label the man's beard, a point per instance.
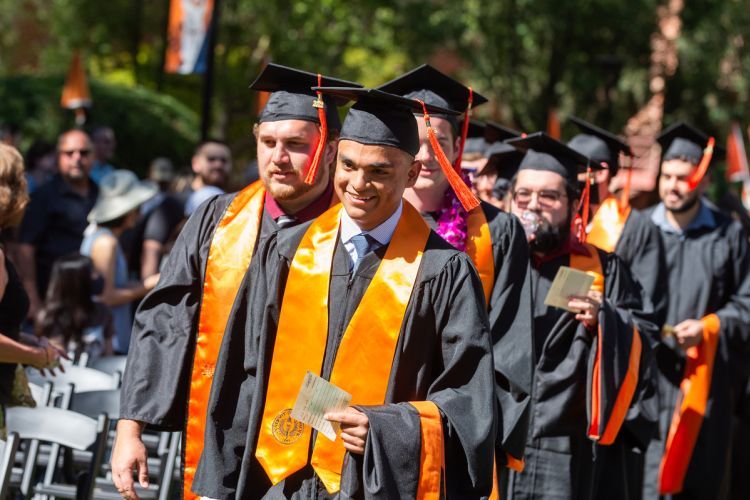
(549, 238)
(689, 203)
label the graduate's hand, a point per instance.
(354, 428)
(128, 454)
(689, 333)
(589, 307)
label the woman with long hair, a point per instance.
(70, 316)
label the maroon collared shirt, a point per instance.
(311, 211)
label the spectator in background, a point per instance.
(159, 218)
(10, 134)
(105, 144)
(41, 164)
(115, 211)
(70, 317)
(13, 299)
(56, 218)
(212, 163)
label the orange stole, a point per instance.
(232, 247)
(365, 356)
(592, 265)
(479, 249)
(688, 416)
(608, 224)
(432, 456)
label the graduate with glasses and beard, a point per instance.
(589, 359)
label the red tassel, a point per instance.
(464, 133)
(462, 191)
(697, 176)
(312, 170)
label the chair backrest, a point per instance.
(41, 394)
(8, 451)
(84, 379)
(109, 364)
(94, 403)
(60, 428)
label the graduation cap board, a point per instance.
(292, 98)
(384, 119)
(601, 146)
(681, 141)
(494, 132)
(475, 143)
(502, 159)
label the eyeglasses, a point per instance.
(546, 199)
(71, 152)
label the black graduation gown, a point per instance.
(560, 460)
(510, 323)
(442, 355)
(641, 248)
(156, 382)
(709, 272)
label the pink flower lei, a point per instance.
(452, 221)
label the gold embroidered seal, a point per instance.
(285, 429)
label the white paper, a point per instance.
(317, 397)
(568, 282)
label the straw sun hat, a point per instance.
(119, 193)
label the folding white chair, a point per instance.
(8, 451)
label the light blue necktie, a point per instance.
(363, 244)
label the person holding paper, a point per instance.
(370, 299)
(703, 357)
(589, 362)
(494, 240)
(179, 326)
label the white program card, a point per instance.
(317, 397)
(568, 282)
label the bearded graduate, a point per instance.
(368, 297)
(616, 226)
(494, 240)
(179, 326)
(588, 358)
(703, 353)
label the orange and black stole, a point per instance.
(364, 357)
(608, 224)
(612, 387)
(690, 408)
(232, 247)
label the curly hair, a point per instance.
(13, 193)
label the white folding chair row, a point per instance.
(61, 429)
(84, 379)
(8, 449)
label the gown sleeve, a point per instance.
(156, 380)
(511, 324)
(734, 315)
(405, 451)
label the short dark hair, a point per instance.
(203, 143)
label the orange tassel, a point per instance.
(624, 203)
(700, 172)
(464, 132)
(462, 191)
(585, 206)
(312, 170)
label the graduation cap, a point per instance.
(681, 141)
(292, 98)
(475, 142)
(543, 152)
(495, 132)
(601, 146)
(503, 159)
(384, 119)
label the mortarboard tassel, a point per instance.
(624, 202)
(463, 193)
(697, 176)
(464, 132)
(312, 171)
(584, 206)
